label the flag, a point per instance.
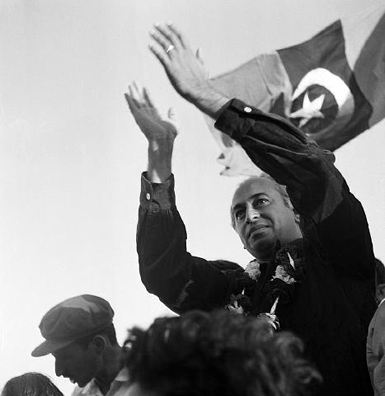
(331, 86)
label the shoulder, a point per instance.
(225, 265)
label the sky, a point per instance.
(71, 154)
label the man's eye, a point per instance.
(260, 202)
(239, 215)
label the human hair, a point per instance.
(30, 384)
(279, 187)
(108, 331)
(218, 354)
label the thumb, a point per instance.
(172, 115)
(174, 120)
(198, 55)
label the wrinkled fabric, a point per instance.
(330, 308)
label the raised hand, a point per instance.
(155, 126)
(184, 68)
(160, 131)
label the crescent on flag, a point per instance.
(335, 85)
(331, 85)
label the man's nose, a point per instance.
(252, 214)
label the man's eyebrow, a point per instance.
(238, 206)
(242, 204)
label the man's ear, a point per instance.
(99, 343)
(380, 292)
(297, 217)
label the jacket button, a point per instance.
(247, 109)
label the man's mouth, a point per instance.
(257, 230)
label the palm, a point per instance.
(153, 125)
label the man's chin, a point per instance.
(262, 249)
(80, 383)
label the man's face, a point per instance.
(78, 364)
(261, 217)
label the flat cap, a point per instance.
(72, 319)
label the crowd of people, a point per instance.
(300, 319)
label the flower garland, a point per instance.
(290, 269)
(241, 303)
(253, 270)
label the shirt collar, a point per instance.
(92, 389)
(122, 375)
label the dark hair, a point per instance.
(218, 353)
(108, 331)
(30, 384)
(280, 188)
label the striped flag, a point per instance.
(331, 86)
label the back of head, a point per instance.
(218, 353)
(30, 384)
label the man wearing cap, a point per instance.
(80, 334)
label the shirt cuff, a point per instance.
(232, 110)
(161, 195)
(236, 117)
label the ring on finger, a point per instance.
(169, 48)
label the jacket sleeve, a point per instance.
(180, 280)
(316, 188)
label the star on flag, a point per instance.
(310, 109)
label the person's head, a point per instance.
(30, 384)
(262, 214)
(80, 335)
(218, 353)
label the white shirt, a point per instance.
(119, 386)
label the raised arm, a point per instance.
(316, 188)
(180, 280)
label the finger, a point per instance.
(136, 93)
(160, 38)
(131, 103)
(140, 94)
(172, 115)
(198, 55)
(151, 108)
(132, 95)
(176, 34)
(136, 90)
(160, 55)
(148, 99)
(168, 36)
